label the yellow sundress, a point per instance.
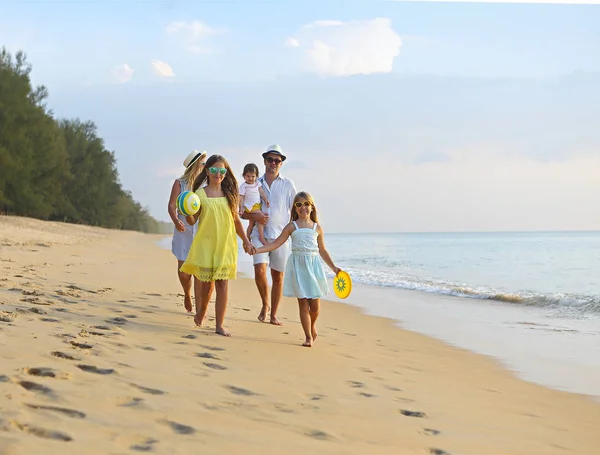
(214, 251)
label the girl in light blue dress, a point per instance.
(304, 276)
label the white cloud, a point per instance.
(162, 69)
(334, 48)
(122, 74)
(292, 42)
(192, 34)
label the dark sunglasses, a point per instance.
(214, 170)
(274, 160)
(300, 204)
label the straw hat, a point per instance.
(193, 157)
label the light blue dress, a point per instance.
(182, 241)
(304, 275)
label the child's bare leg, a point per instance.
(261, 234)
(305, 321)
(251, 224)
(186, 283)
(222, 289)
(314, 308)
(202, 289)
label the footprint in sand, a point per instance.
(42, 372)
(215, 366)
(117, 321)
(320, 435)
(7, 317)
(431, 432)
(148, 390)
(95, 370)
(207, 355)
(62, 355)
(129, 402)
(34, 387)
(81, 345)
(366, 395)
(35, 293)
(34, 300)
(101, 327)
(439, 452)
(42, 432)
(178, 428)
(4, 378)
(408, 413)
(356, 384)
(50, 320)
(68, 412)
(37, 311)
(146, 445)
(189, 337)
(240, 391)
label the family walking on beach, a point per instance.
(206, 248)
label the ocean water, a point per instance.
(530, 300)
(554, 270)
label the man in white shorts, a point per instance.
(281, 192)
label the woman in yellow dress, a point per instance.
(214, 251)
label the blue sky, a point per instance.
(470, 105)
(76, 41)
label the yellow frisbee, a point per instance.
(342, 285)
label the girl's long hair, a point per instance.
(314, 216)
(229, 185)
(191, 172)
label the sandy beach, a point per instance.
(99, 357)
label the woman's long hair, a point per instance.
(229, 185)
(191, 172)
(304, 195)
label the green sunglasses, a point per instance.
(214, 170)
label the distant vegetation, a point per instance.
(58, 169)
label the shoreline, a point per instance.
(499, 330)
(366, 385)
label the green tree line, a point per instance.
(57, 169)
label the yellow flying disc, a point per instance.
(342, 285)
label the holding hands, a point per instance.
(249, 248)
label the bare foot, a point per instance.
(275, 321)
(313, 329)
(187, 303)
(307, 343)
(221, 331)
(263, 313)
(197, 320)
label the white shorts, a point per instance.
(276, 259)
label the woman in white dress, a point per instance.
(183, 233)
